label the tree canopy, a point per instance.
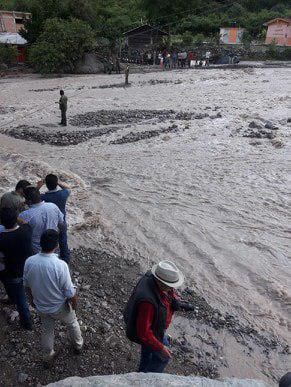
(110, 18)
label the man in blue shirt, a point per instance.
(40, 216)
(50, 289)
(58, 193)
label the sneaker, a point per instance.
(27, 325)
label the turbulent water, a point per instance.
(213, 201)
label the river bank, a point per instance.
(104, 283)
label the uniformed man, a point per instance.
(63, 102)
(126, 74)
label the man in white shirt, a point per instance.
(49, 283)
(40, 216)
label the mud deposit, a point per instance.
(163, 170)
(103, 289)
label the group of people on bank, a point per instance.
(34, 270)
(33, 229)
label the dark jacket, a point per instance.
(145, 291)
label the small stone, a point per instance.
(254, 125)
(270, 125)
(22, 377)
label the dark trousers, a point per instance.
(152, 361)
(63, 244)
(15, 291)
(64, 117)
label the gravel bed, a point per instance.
(104, 283)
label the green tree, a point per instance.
(61, 44)
(8, 54)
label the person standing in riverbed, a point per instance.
(49, 286)
(149, 313)
(63, 104)
(126, 74)
(58, 193)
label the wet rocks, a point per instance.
(271, 126)
(113, 86)
(22, 377)
(42, 90)
(255, 125)
(121, 117)
(57, 138)
(134, 137)
(277, 143)
(6, 110)
(117, 117)
(259, 132)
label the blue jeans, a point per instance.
(152, 361)
(15, 291)
(63, 243)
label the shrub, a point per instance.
(8, 54)
(187, 38)
(278, 53)
(61, 44)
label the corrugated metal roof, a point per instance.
(8, 38)
(144, 28)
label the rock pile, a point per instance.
(134, 137)
(118, 117)
(57, 138)
(256, 130)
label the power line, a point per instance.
(199, 13)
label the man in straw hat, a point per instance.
(149, 313)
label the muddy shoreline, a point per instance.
(104, 283)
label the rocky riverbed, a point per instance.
(104, 283)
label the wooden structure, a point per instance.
(279, 31)
(232, 35)
(144, 37)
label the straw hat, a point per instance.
(168, 273)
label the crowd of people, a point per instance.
(170, 59)
(34, 269)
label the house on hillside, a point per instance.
(143, 40)
(231, 35)
(279, 31)
(10, 24)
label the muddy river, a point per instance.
(185, 187)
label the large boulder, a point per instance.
(156, 380)
(89, 64)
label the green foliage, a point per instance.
(187, 38)
(278, 53)
(61, 44)
(110, 18)
(8, 54)
(199, 38)
(247, 39)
